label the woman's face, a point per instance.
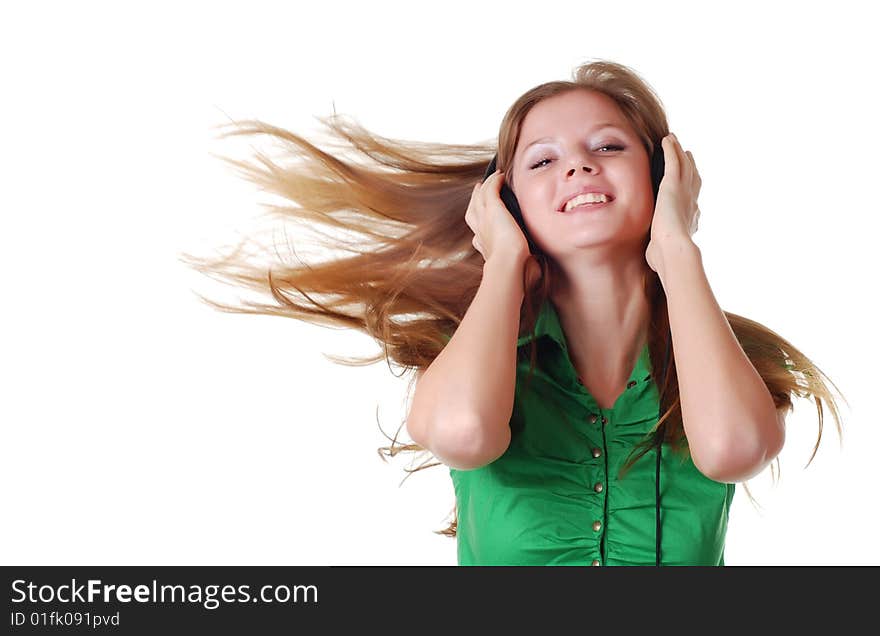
(564, 145)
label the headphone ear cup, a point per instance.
(510, 202)
(658, 168)
(490, 168)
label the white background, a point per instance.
(140, 426)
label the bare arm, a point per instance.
(733, 427)
(463, 401)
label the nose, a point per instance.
(578, 161)
(573, 170)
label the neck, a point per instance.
(605, 315)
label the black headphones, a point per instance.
(658, 168)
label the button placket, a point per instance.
(599, 487)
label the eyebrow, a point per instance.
(607, 124)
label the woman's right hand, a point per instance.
(495, 230)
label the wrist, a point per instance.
(507, 259)
(675, 253)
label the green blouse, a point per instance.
(554, 498)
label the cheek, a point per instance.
(538, 212)
(535, 196)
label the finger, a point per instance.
(487, 181)
(474, 194)
(688, 170)
(696, 173)
(499, 180)
(692, 165)
(684, 164)
(670, 157)
(492, 181)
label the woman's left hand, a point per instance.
(676, 215)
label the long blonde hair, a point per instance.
(412, 275)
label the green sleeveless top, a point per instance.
(554, 497)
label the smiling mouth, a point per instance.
(585, 207)
(609, 198)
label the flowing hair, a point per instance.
(409, 272)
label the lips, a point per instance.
(584, 190)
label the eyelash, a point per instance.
(615, 146)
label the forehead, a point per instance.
(573, 112)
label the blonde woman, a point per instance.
(575, 375)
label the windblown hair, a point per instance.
(410, 279)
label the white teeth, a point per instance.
(590, 197)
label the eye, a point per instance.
(611, 146)
(538, 164)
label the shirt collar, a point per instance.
(547, 324)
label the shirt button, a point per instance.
(604, 420)
(593, 418)
(596, 562)
(597, 525)
(598, 486)
(631, 384)
(597, 452)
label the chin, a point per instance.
(592, 239)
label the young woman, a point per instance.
(592, 402)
